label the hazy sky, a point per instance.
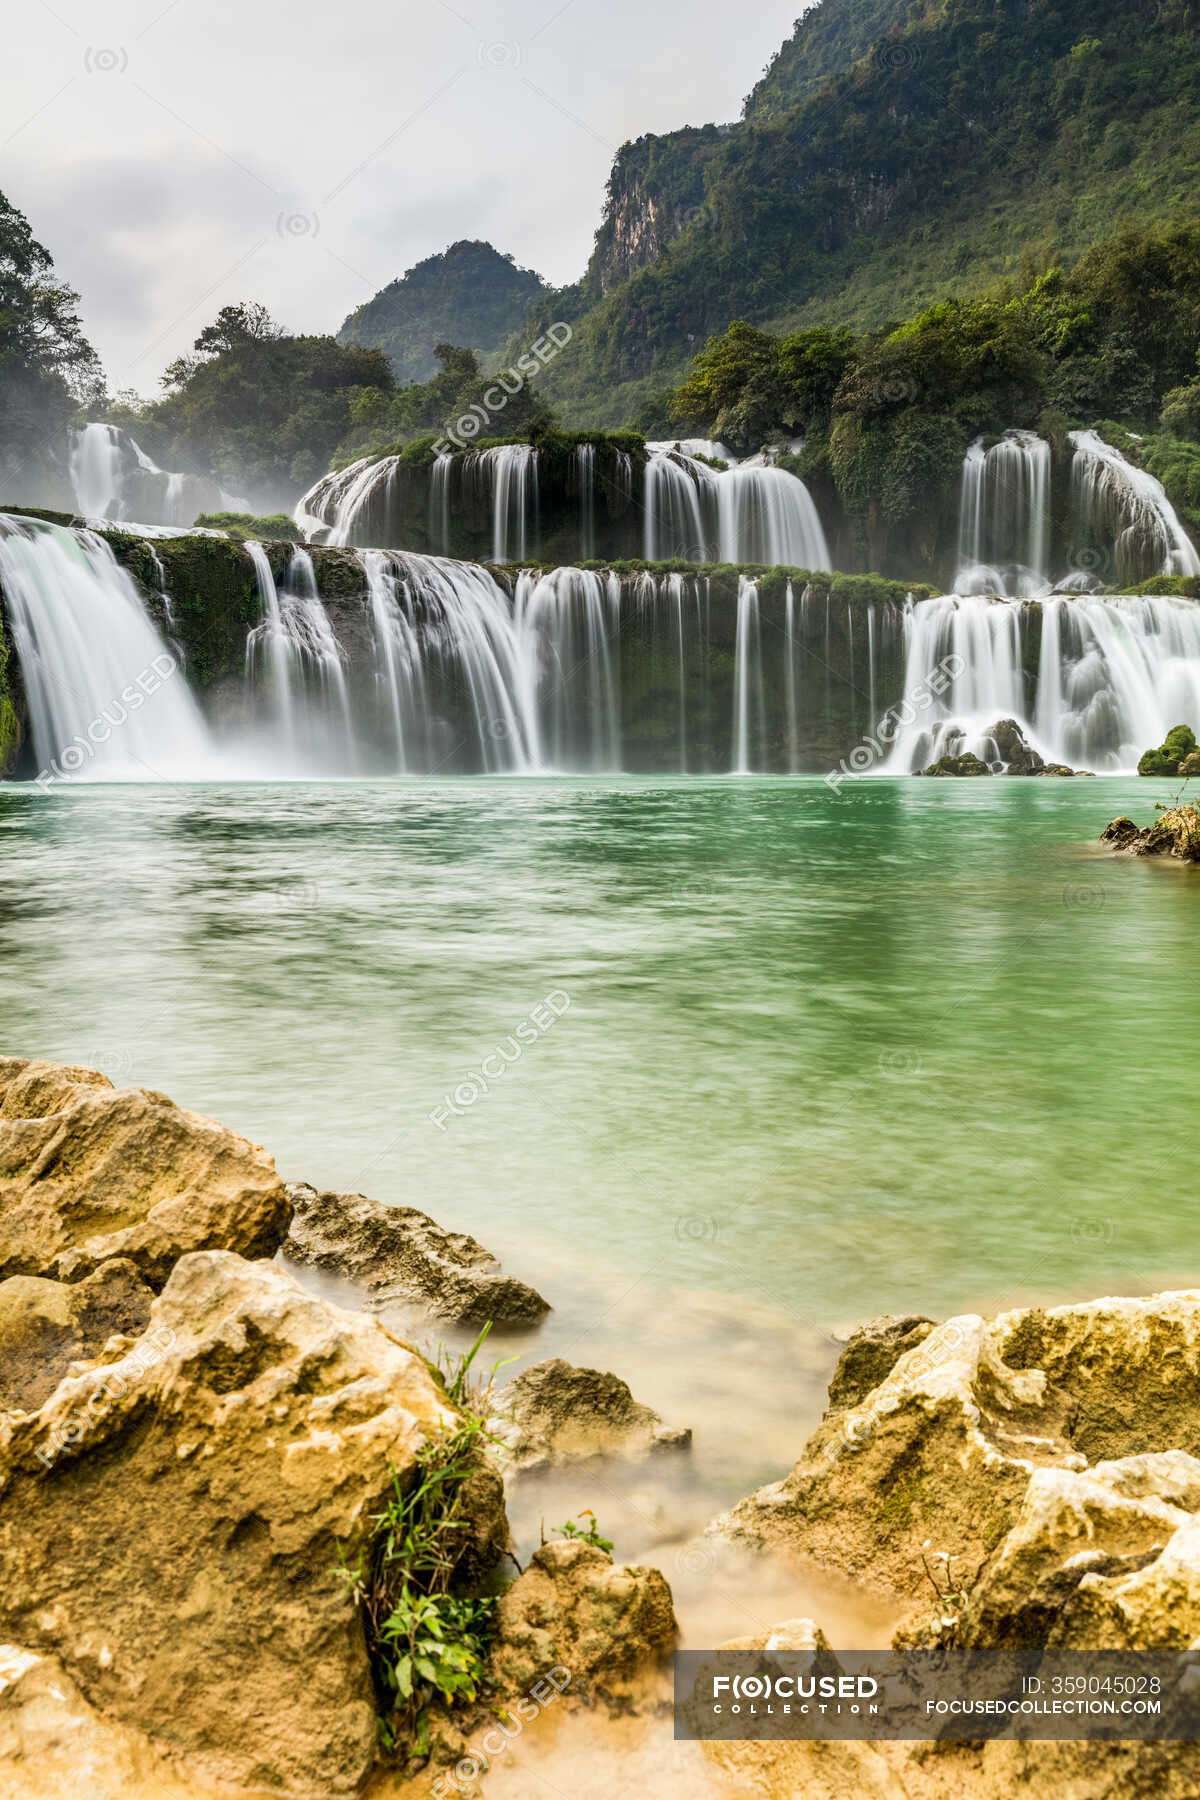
(176, 155)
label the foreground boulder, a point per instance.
(397, 1254)
(89, 1173)
(1176, 832)
(45, 1326)
(575, 1608)
(940, 1456)
(555, 1413)
(170, 1523)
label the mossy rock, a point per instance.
(958, 765)
(1169, 758)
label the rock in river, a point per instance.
(395, 1253)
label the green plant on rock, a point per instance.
(426, 1640)
(585, 1533)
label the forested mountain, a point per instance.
(892, 154)
(470, 296)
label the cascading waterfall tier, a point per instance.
(753, 513)
(114, 479)
(1092, 680)
(1004, 533)
(1122, 527)
(106, 696)
(1123, 516)
(418, 665)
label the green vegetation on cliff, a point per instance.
(469, 295)
(893, 155)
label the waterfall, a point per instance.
(749, 720)
(439, 503)
(585, 481)
(569, 636)
(1114, 674)
(107, 699)
(113, 478)
(1116, 502)
(675, 499)
(338, 508)
(750, 514)
(1005, 517)
(513, 473)
(767, 516)
(294, 652)
(95, 468)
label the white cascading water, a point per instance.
(106, 466)
(1004, 533)
(334, 507)
(568, 626)
(750, 514)
(585, 482)
(1117, 503)
(1115, 673)
(749, 713)
(108, 700)
(512, 471)
(295, 655)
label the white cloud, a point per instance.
(177, 157)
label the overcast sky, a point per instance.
(174, 157)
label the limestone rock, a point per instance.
(576, 1609)
(555, 1413)
(45, 1326)
(88, 1173)
(966, 764)
(395, 1253)
(1107, 1558)
(1168, 758)
(871, 1354)
(995, 1443)
(1176, 832)
(1013, 749)
(170, 1523)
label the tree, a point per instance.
(47, 366)
(258, 409)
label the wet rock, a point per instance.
(966, 764)
(1190, 766)
(871, 1354)
(397, 1254)
(45, 1326)
(170, 1523)
(555, 1413)
(1013, 749)
(576, 1609)
(1122, 833)
(1176, 832)
(89, 1173)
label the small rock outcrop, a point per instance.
(1176, 832)
(555, 1413)
(871, 1354)
(89, 1172)
(397, 1254)
(1013, 755)
(1170, 757)
(45, 1326)
(577, 1609)
(170, 1523)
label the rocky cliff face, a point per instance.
(655, 192)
